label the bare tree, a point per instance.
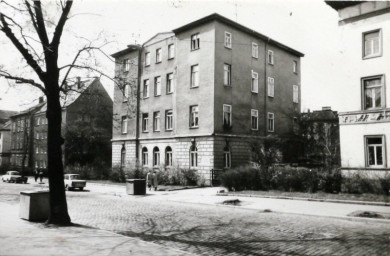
(41, 54)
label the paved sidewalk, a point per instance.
(210, 196)
(20, 237)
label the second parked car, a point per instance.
(73, 181)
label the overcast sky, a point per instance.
(309, 26)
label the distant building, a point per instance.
(365, 120)
(321, 137)
(5, 136)
(197, 96)
(87, 107)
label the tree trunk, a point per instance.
(58, 206)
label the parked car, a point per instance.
(73, 181)
(14, 176)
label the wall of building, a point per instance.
(39, 148)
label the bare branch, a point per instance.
(61, 23)
(41, 28)
(21, 80)
(28, 57)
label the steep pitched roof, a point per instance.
(130, 48)
(220, 18)
(5, 116)
(337, 5)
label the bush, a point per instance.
(360, 183)
(94, 171)
(244, 177)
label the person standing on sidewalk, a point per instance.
(41, 175)
(155, 181)
(149, 179)
(36, 174)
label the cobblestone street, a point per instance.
(219, 230)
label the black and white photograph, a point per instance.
(194, 127)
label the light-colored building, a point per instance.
(197, 96)
(365, 120)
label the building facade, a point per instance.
(198, 96)
(365, 121)
(86, 111)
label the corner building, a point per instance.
(365, 121)
(197, 96)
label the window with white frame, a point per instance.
(227, 158)
(169, 83)
(255, 50)
(168, 156)
(193, 156)
(145, 90)
(126, 65)
(171, 51)
(156, 156)
(227, 74)
(375, 151)
(194, 116)
(228, 40)
(156, 121)
(158, 55)
(126, 91)
(271, 87)
(373, 92)
(271, 122)
(255, 82)
(144, 156)
(38, 122)
(145, 122)
(124, 124)
(254, 119)
(147, 58)
(270, 57)
(169, 119)
(195, 44)
(295, 66)
(227, 115)
(194, 76)
(295, 93)
(37, 135)
(157, 86)
(372, 44)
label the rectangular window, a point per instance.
(255, 50)
(145, 90)
(37, 135)
(270, 57)
(194, 76)
(194, 116)
(124, 124)
(254, 119)
(227, 159)
(295, 67)
(227, 115)
(169, 120)
(295, 93)
(373, 92)
(157, 86)
(195, 42)
(227, 74)
(147, 59)
(271, 122)
(126, 92)
(171, 51)
(145, 122)
(372, 44)
(375, 155)
(169, 83)
(126, 65)
(271, 87)
(158, 55)
(228, 40)
(255, 82)
(156, 121)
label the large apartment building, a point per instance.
(198, 96)
(365, 120)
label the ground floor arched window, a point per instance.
(227, 157)
(168, 156)
(144, 156)
(193, 156)
(156, 156)
(123, 157)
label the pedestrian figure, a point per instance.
(155, 181)
(40, 175)
(36, 174)
(149, 179)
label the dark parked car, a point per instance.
(14, 176)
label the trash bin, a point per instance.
(136, 186)
(34, 205)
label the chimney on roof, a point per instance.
(78, 82)
(326, 108)
(41, 99)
